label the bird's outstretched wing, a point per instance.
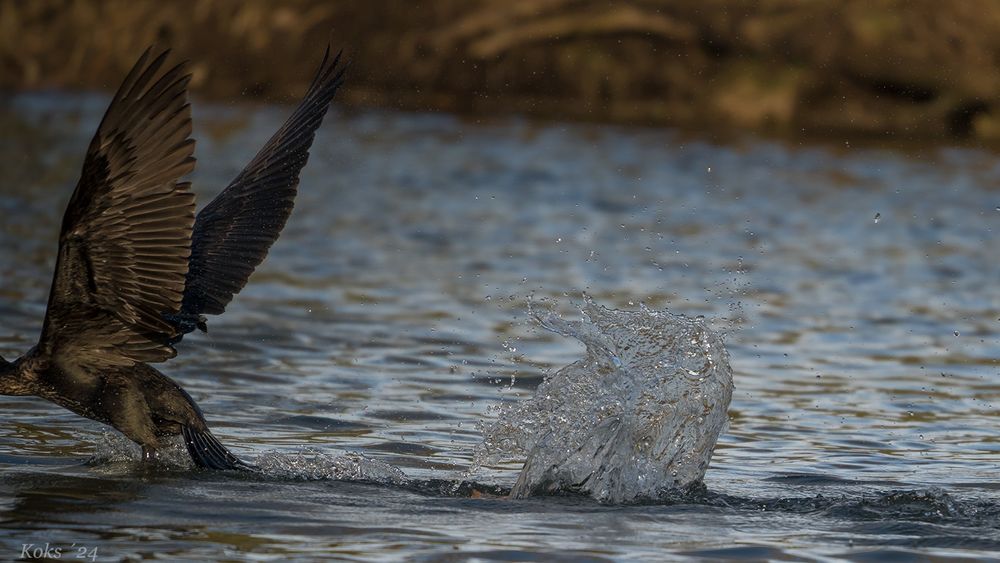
(125, 239)
(233, 233)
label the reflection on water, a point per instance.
(638, 416)
(392, 314)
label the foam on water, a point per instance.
(636, 418)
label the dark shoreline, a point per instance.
(784, 68)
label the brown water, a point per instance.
(857, 289)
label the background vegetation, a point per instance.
(914, 69)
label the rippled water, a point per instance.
(857, 289)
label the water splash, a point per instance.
(637, 417)
(312, 464)
(114, 453)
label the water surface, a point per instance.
(857, 289)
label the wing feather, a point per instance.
(234, 232)
(126, 234)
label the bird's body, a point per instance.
(138, 400)
(136, 269)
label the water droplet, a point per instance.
(877, 217)
(957, 333)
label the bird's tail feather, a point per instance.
(206, 451)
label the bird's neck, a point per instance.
(12, 380)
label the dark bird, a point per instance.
(137, 270)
